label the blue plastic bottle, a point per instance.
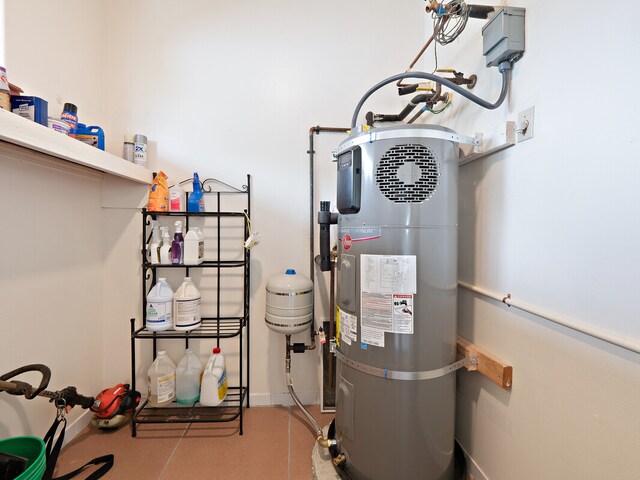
(196, 200)
(91, 135)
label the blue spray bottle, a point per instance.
(196, 200)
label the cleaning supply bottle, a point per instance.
(158, 194)
(200, 244)
(176, 198)
(70, 115)
(188, 375)
(191, 247)
(159, 307)
(161, 378)
(156, 244)
(196, 198)
(177, 247)
(214, 380)
(186, 307)
(165, 248)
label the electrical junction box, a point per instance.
(503, 36)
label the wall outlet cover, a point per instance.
(524, 128)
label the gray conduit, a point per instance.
(557, 318)
(504, 67)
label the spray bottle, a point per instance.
(165, 249)
(196, 200)
(156, 244)
(177, 247)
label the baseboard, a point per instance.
(473, 469)
(76, 426)
(282, 399)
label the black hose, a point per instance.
(505, 69)
(398, 117)
(480, 11)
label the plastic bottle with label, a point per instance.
(200, 244)
(186, 307)
(159, 315)
(188, 374)
(177, 247)
(195, 203)
(214, 380)
(165, 248)
(191, 247)
(161, 379)
(176, 199)
(156, 244)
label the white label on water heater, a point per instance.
(388, 284)
(348, 327)
(388, 273)
(372, 336)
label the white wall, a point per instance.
(554, 222)
(51, 283)
(61, 261)
(230, 88)
(54, 50)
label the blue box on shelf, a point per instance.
(34, 108)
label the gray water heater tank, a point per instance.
(396, 298)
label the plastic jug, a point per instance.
(161, 378)
(186, 307)
(188, 374)
(192, 247)
(91, 135)
(160, 307)
(214, 380)
(195, 203)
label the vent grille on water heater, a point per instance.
(408, 173)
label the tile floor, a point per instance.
(276, 444)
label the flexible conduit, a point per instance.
(557, 318)
(504, 67)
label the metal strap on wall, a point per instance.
(400, 375)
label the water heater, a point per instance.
(396, 302)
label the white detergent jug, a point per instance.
(192, 247)
(159, 307)
(186, 307)
(162, 381)
(188, 378)
(214, 380)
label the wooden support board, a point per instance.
(485, 363)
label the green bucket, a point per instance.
(31, 448)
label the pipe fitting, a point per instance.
(325, 442)
(339, 459)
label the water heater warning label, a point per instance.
(388, 284)
(348, 327)
(388, 273)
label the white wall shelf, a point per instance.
(20, 131)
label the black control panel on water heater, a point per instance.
(349, 181)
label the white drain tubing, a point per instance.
(613, 339)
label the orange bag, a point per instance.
(159, 194)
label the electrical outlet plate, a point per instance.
(524, 128)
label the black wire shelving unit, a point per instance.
(218, 326)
